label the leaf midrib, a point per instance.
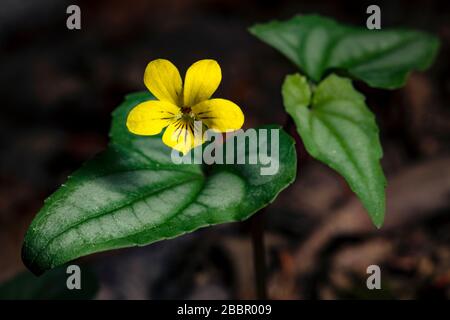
(132, 234)
(154, 192)
(344, 146)
(369, 58)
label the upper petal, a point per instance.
(202, 79)
(219, 114)
(163, 80)
(183, 135)
(150, 117)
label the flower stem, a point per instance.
(259, 259)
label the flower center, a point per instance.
(187, 115)
(186, 110)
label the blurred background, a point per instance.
(58, 88)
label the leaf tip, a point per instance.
(378, 223)
(26, 255)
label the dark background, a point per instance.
(58, 88)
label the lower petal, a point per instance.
(183, 135)
(219, 114)
(150, 117)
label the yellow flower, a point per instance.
(181, 108)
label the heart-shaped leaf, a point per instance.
(381, 58)
(338, 129)
(132, 194)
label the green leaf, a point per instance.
(132, 194)
(50, 286)
(318, 45)
(338, 129)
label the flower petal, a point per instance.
(219, 114)
(183, 135)
(163, 80)
(202, 79)
(150, 117)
